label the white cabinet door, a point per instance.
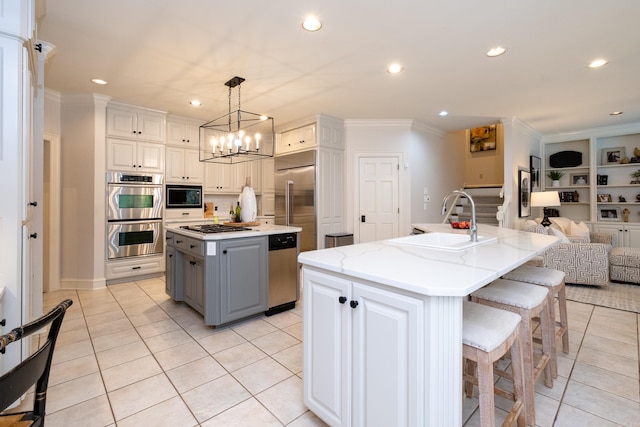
(121, 155)
(135, 124)
(327, 332)
(297, 139)
(150, 157)
(183, 166)
(219, 178)
(387, 366)
(632, 236)
(268, 175)
(122, 123)
(182, 133)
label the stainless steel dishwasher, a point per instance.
(283, 272)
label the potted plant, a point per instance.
(555, 177)
(636, 177)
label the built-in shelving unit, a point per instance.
(610, 193)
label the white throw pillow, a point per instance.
(580, 230)
(561, 223)
(555, 232)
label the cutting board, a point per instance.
(242, 224)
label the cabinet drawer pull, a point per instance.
(136, 268)
(33, 235)
(192, 262)
(342, 300)
(178, 241)
(353, 304)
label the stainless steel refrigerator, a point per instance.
(295, 195)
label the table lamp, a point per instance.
(545, 199)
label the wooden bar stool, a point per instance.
(487, 335)
(554, 280)
(528, 301)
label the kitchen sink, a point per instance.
(443, 241)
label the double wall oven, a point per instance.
(134, 215)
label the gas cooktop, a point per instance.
(213, 228)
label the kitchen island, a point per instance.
(383, 323)
(222, 275)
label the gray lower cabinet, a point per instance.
(223, 283)
(243, 278)
(194, 282)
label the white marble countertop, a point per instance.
(430, 271)
(259, 230)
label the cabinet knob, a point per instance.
(33, 204)
(353, 304)
(342, 300)
(224, 252)
(33, 235)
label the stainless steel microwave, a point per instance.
(184, 196)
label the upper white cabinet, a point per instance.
(299, 139)
(133, 123)
(219, 178)
(137, 156)
(183, 166)
(182, 132)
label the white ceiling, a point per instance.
(163, 53)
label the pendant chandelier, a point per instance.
(236, 137)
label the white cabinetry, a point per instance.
(229, 179)
(182, 132)
(369, 341)
(130, 155)
(299, 139)
(139, 266)
(329, 145)
(183, 166)
(628, 235)
(219, 178)
(129, 122)
(267, 200)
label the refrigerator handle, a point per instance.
(288, 202)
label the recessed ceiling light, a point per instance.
(195, 103)
(496, 51)
(615, 113)
(597, 63)
(395, 68)
(443, 113)
(311, 23)
(99, 81)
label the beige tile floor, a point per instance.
(127, 355)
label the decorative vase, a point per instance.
(555, 183)
(248, 203)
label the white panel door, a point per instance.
(379, 195)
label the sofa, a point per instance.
(583, 257)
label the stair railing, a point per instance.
(502, 209)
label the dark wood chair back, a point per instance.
(32, 370)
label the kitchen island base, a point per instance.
(368, 358)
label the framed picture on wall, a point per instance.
(482, 138)
(534, 168)
(524, 193)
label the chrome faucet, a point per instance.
(473, 229)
